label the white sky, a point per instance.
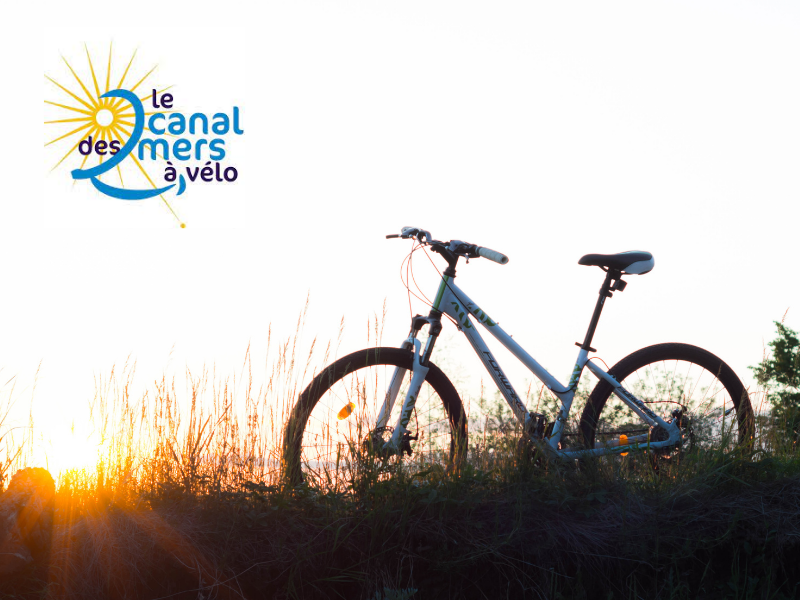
(543, 130)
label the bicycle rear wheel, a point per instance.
(326, 437)
(675, 381)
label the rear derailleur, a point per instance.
(660, 434)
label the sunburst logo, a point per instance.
(120, 134)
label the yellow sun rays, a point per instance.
(102, 119)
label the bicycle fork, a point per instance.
(420, 366)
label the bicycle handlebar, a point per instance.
(457, 247)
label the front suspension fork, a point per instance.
(420, 366)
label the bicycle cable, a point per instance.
(452, 320)
(573, 388)
(601, 360)
(419, 289)
(452, 291)
(407, 263)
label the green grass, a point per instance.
(186, 501)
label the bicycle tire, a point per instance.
(360, 377)
(713, 389)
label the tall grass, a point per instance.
(204, 435)
(187, 500)
(15, 440)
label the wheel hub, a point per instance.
(375, 442)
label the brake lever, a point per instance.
(415, 232)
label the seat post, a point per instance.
(605, 292)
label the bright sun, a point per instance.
(71, 449)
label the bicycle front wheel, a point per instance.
(334, 421)
(675, 381)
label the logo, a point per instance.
(576, 375)
(134, 147)
(463, 316)
(407, 413)
(479, 314)
(503, 380)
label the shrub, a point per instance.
(780, 373)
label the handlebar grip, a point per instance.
(493, 255)
(392, 235)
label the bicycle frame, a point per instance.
(454, 302)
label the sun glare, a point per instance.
(71, 449)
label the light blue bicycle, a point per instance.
(395, 403)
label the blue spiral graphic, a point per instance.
(130, 145)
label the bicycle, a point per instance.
(344, 414)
